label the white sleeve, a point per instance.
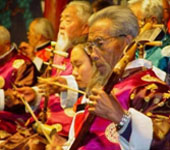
(68, 98)
(38, 62)
(2, 99)
(141, 134)
(37, 100)
(160, 73)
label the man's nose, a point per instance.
(62, 25)
(94, 55)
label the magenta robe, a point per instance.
(15, 69)
(96, 138)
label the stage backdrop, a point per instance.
(16, 16)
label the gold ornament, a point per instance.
(149, 78)
(2, 82)
(111, 133)
(18, 63)
(69, 112)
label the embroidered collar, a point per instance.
(5, 57)
(42, 46)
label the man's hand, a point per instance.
(48, 85)
(27, 93)
(105, 106)
(11, 99)
(27, 50)
(13, 96)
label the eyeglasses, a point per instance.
(99, 43)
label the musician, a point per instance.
(73, 29)
(139, 103)
(15, 70)
(40, 35)
(157, 12)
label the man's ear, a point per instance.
(128, 39)
(41, 38)
(85, 29)
(154, 19)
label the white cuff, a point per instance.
(139, 63)
(38, 62)
(35, 104)
(2, 99)
(142, 132)
(69, 97)
(160, 73)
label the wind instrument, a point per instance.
(52, 52)
(34, 116)
(60, 85)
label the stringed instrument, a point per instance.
(113, 79)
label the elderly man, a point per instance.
(109, 35)
(40, 35)
(15, 70)
(73, 29)
(138, 105)
(154, 11)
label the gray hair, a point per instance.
(124, 22)
(150, 8)
(4, 35)
(44, 27)
(84, 9)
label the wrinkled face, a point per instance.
(70, 23)
(82, 67)
(106, 50)
(33, 37)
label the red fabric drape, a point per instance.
(52, 12)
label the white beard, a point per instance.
(63, 42)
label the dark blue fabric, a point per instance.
(127, 133)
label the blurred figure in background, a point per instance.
(40, 35)
(155, 12)
(16, 71)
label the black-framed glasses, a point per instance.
(98, 42)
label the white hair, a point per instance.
(124, 22)
(84, 9)
(4, 35)
(150, 8)
(44, 27)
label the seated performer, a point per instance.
(73, 29)
(82, 71)
(146, 118)
(153, 11)
(16, 71)
(40, 35)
